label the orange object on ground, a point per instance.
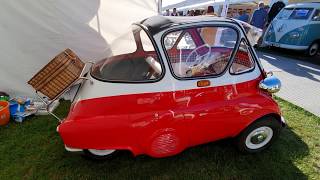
(4, 113)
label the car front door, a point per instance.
(211, 88)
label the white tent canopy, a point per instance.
(190, 4)
(185, 4)
(33, 32)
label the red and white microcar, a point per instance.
(171, 83)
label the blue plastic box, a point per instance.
(15, 107)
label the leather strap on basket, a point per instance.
(73, 58)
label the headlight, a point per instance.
(294, 35)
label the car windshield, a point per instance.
(133, 59)
(285, 13)
(295, 13)
(301, 13)
(200, 51)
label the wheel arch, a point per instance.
(271, 114)
(315, 41)
(275, 115)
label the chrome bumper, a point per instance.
(283, 121)
(72, 149)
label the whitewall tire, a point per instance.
(99, 154)
(259, 135)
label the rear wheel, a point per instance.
(313, 49)
(99, 154)
(259, 135)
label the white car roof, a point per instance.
(304, 5)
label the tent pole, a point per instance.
(225, 7)
(159, 7)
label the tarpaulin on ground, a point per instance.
(33, 32)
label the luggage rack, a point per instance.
(49, 103)
(58, 76)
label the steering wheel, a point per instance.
(199, 59)
(219, 65)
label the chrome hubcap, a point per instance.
(313, 49)
(259, 137)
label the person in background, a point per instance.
(235, 14)
(267, 8)
(243, 16)
(259, 17)
(197, 12)
(208, 34)
(210, 11)
(174, 12)
(167, 13)
(191, 13)
(275, 9)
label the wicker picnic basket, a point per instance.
(58, 74)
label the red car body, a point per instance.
(167, 115)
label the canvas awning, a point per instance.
(33, 32)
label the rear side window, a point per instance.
(206, 52)
(243, 60)
(130, 65)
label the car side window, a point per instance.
(206, 53)
(128, 65)
(186, 42)
(316, 16)
(171, 39)
(243, 60)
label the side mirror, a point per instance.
(270, 84)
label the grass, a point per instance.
(33, 150)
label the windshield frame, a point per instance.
(197, 25)
(163, 72)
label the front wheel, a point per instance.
(259, 135)
(99, 154)
(313, 49)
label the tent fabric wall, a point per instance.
(33, 32)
